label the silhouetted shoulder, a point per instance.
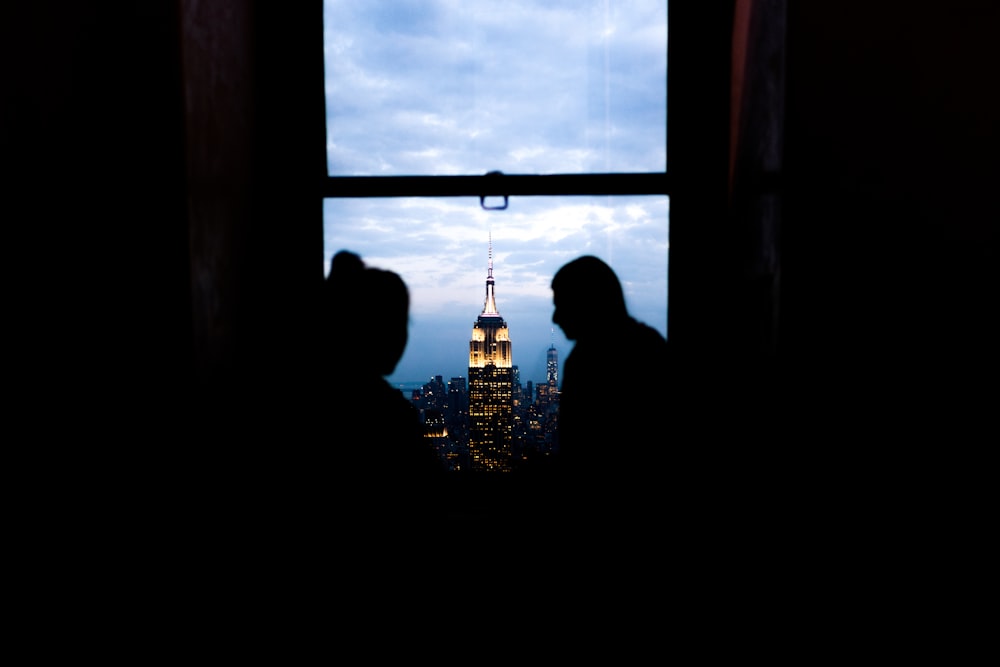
(648, 334)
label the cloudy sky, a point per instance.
(463, 87)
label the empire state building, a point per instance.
(491, 387)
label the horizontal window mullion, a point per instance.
(497, 185)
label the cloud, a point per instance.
(573, 86)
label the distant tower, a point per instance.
(491, 386)
(552, 365)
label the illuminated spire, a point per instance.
(490, 307)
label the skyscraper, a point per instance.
(552, 366)
(491, 386)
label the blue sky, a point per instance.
(465, 87)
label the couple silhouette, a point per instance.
(609, 446)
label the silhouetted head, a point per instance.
(587, 295)
(367, 314)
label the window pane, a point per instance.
(441, 249)
(526, 86)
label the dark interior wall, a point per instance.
(703, 274)
(217, 58)
(877, 399)
(885, 241)
(889, 239)
(163, 159)
(255, 143)
(889, 320)
(285, 252)
(94, 168)
(701, 250)
(725, 144)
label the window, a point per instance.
(566, 100)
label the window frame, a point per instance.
(498, 184)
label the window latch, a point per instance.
(482, 198)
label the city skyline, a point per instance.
(495, 422)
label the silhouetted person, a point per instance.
(612, 405)
(380, 450)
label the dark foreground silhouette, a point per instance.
(611, 455)
(382, 468)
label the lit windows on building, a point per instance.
(491, 387)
